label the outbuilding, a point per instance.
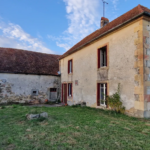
(26, 76)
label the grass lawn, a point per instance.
(71, 128)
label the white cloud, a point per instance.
(84, 18)
(63, 45)
(115, 2)
(15, 37)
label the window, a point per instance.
(53, 90)
(70, 89)
(102, 57)
(101, 94)
(70, 69)
(34, 92)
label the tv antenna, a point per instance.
(104, 2)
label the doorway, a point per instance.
(53, 94)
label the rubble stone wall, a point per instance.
(18, 87)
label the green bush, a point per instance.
(114, 101)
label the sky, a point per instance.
(54, 26)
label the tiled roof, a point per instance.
(28, 62)
(110, 26)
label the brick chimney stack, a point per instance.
(104, 21)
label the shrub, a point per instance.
(114, 101)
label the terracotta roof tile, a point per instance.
(118, 21)
(28, 62)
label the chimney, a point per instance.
(104, 21)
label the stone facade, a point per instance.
(146, 48)
(128, 64)
(120, 68)
(17, 88)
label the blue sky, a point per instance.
(53, 26)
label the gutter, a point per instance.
(139, 15)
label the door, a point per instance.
(64, 93)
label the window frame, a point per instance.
(53, 89)
(99, 94)
(70, 66)
(35, 92)
(99, 57)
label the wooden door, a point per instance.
(64, 93)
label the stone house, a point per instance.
(118, 52)
(26, 76)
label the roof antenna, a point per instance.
(104, 7)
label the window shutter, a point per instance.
(98, 58)
(106, 96)
(71, 89)
(106, 56)
(68, 66)
(72, 66)
(62, 94)
(68, 89)
(98, 94)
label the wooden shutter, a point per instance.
(65, 93)
(68, 66)
(68, 89)
(106, 96)
(62, 94)
(98, 53)
(106, 56)
(71, 89)
(98, 94)
(72, 66)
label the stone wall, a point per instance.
(146, 46)
(18, 87)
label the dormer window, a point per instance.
(70, 69)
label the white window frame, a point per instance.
(70, 67)
(104, 90)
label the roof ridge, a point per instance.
(116, 23)
(28, 62)
(26, 50)
(140, 8)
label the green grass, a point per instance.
(71, 128)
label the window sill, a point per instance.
(101, 107)
(70, 73)
(69, 97)
(103, 68)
